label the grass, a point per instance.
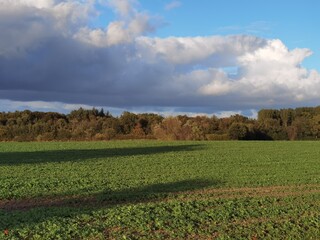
(153, 189)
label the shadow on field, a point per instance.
(27, 212)
(16, 158)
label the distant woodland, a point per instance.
(94, 124)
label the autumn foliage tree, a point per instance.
(93, 124)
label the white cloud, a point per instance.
(42, 106)
(216, 88)
(172, 5)
(215, 50)
(124, 8)
(29, 3)
(260, 28)
(274, 72)
(131, 24)
(266, 70)
(226, 114)
(8, 105)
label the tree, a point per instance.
(171, 128)
(266, 114)
(238, 131)
(287, 117)
(128, 122)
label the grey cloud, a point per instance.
(42, 60)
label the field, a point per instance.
(160, 190)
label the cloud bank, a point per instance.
(49, 52)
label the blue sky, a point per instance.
(293, 21)
(206, 56)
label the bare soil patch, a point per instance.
(228, 193)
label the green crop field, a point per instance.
(160, 190)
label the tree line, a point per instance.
(82, 124)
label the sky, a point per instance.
(219, 57)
